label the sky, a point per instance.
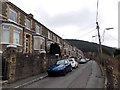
(76, 19)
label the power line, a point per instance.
(87, 33)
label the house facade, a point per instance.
(21, 30)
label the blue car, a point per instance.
(61, 67)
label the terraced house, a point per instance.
(20, 30)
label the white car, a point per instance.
(74, 63)
(82, 61)
(87, 59)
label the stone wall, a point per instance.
(21, 65)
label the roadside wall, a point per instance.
(18, 65)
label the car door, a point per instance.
(67, 65)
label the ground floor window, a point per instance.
(11, 34)
(36, 42)
(6, 33)
(16, 36)
(39, 43)
(42, 43)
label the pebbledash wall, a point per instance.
(23, 41)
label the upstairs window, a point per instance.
(13, 15)
(38, 29)
(27, 24)
(58, 40)
(49, 35)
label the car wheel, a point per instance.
(77, 66)
(71, 69)
(49, 74)
(64, 72)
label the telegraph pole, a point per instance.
(100, 46)
(97, 27)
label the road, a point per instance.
(86, 76)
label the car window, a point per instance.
(70, 60)
(66, 62)
(61, 62)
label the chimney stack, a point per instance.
(31, 15)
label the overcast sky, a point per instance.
(76, 19)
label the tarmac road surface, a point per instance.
(86, 75)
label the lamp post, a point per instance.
(100, 46)
(104, 32)
(109, 28)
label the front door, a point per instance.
(27, 43)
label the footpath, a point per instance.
(23, 82)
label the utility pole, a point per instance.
(100, 47)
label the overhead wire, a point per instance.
(87, 33)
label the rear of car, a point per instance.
(74, 63)
(82, 61)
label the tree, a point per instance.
(55, 49)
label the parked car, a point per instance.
(87, 59)
(82, 61)
(74, 63)
(61, 67)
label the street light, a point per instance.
(99, 37)
(104, 32)
(109, 28)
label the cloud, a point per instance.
(81, 19)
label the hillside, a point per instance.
(86, 46)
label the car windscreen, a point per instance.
(70, 60)
(82, 60)
(60, 62)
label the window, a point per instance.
(5, 34)
(58, 40)
(13, 15)
(36, 40)
(54, 38)
(27, 24)
(37, 29)
(16, 39)
(42, 43)
(49, 35)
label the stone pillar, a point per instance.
(11, 60)
(44, 62)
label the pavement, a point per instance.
(104, 75)
(24, 82)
